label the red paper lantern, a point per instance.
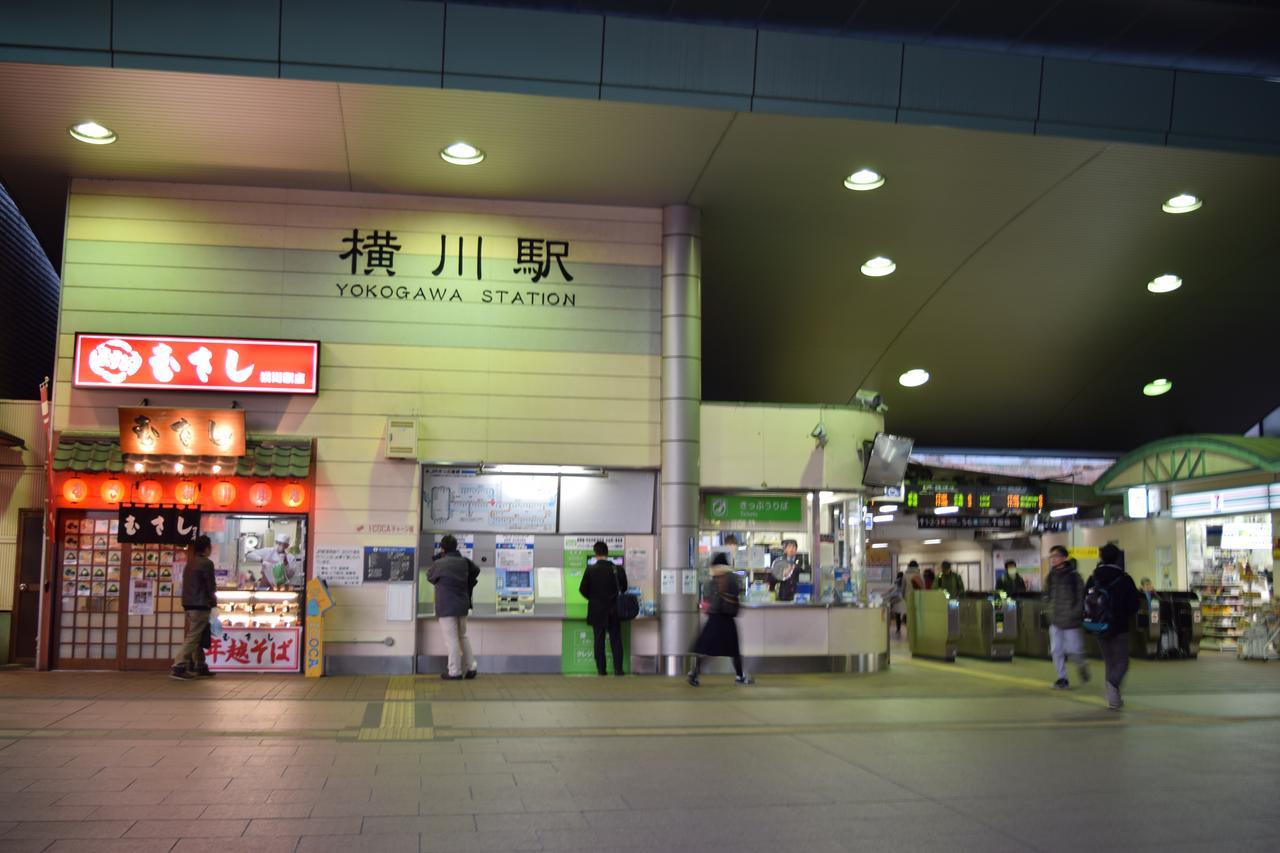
(113, 491)
(293, 495)
(186, 492)
(260, 494)
(75, 490)
(150, 492)
(224, 492)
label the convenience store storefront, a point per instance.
(1210, 506)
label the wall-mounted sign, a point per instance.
(1246, 536)
(753, 508)
(158, 525)
(929, 494)
(500, 503)
(388, 563)
(256, 650)
(969, 522)
(196, 364)
(182, 432)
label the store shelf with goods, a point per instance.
(258, 608)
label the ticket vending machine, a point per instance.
(515, 590)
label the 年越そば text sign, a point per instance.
(256, 650)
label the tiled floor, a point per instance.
(927, 756)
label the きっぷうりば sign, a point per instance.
(196, 364)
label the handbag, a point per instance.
(628, 605)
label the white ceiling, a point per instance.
(1022, 260)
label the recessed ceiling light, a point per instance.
(1166, 283)
(1064, 512)
(933, 542)
(878, 266)
(1182, 203)
(946, 510)
(92, 133)
(881, 519)
(461, 154)
(880, 545)
(1156, 387)
(887, 508)
(914, 378)
(864, 179)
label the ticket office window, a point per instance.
(96, 574)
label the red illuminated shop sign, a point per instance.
(196, 364)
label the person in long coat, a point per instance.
(719, 636)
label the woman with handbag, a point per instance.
(719, 637)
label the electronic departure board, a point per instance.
(931, 495)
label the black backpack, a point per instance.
(1099, 607)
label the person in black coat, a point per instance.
(719, 636)
(1110, 575)
(601, 585)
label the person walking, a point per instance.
(1121, 596)
(454, 577)
(199, 595)
(601, 585)
(719, 636)
(949, 582)
(898, 603)
(1065, 594)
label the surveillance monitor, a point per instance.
(886, 464)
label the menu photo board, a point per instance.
(388, 563)
(235, 365)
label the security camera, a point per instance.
(868, 399)
(819, 434)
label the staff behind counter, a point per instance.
(784, 573)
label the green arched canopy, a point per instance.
(1191, 457)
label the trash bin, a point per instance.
(1033, 626)
(988, 626)
(933, 624)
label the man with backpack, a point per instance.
(1110, 602)
(1065, 592)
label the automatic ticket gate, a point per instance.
(988, 626)
(933, 624)
(1167, 626)
(1033, 626)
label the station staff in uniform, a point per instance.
(783, 571)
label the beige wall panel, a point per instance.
(323, 199)
(401, 473)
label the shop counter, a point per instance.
(785, 637)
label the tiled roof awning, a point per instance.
(264, 457)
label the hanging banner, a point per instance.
(182, 432)
(196, 364)
(158, 525)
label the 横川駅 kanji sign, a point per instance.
(196, 364)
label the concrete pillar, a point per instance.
(681, 422)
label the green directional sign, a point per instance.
(753, 508)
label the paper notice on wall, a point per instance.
(514, 552)
(340, 565)
(400, 602)
(142, 597)
(550, 583)
(637, 565)
(688, 581)
(669, 581)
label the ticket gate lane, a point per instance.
(933, 624)
(988, 626)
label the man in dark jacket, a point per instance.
(199, 594)
(949, 581)
(1064, 588)
(1124, 604)
(454, 576)
(601, 584)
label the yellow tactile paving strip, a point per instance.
(399, 714)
